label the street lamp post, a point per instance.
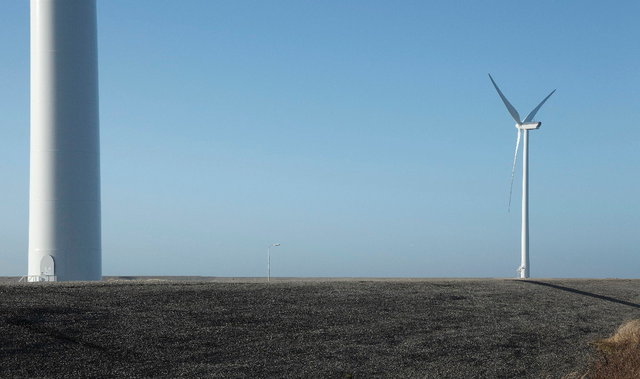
(269, 261)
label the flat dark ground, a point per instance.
(491, 328)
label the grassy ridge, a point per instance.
(403, 328)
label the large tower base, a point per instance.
(64, 188)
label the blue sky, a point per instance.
(365, 136)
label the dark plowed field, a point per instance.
(335, 329)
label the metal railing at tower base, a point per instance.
(38, 278)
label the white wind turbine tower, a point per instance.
(523, 127)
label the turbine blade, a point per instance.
(513, 169)
(535, 110)
(510, 108)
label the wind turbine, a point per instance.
(523, 127)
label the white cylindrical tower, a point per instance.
(524, 242)
(64, 188)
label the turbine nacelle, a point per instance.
(528, 126)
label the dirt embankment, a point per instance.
(349, 328)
